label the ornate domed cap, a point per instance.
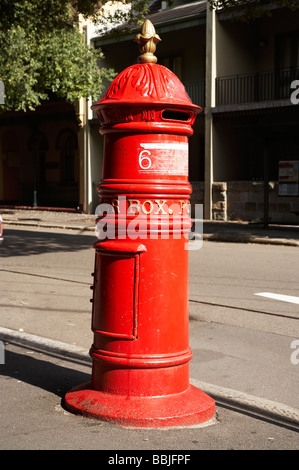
(145, 92)
(146, 82)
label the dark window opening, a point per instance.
(176, 115)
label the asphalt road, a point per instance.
(239, 340)
(45, 290)
(52, 271)
(225, 279)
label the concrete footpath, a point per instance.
(235, 232)
(38, 371)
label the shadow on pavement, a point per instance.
(250, 231)
(30, 242)
(45, 374)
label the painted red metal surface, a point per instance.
(141, 352)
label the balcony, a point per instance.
(255, 87)
(196, 91)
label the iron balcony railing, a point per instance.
(255, 87)
(196, 91)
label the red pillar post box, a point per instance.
(141, 353)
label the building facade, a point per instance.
(39, 157)
(243, 156)
(252, 124)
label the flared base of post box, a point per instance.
(191, 407)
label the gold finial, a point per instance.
(147, 41)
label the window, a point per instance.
(287, 50)
(286, 62)
(67, 145)
(68, 160)
(174, 64)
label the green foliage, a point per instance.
(130, 17)
(43, 52)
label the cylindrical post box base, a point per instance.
(191, 407)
